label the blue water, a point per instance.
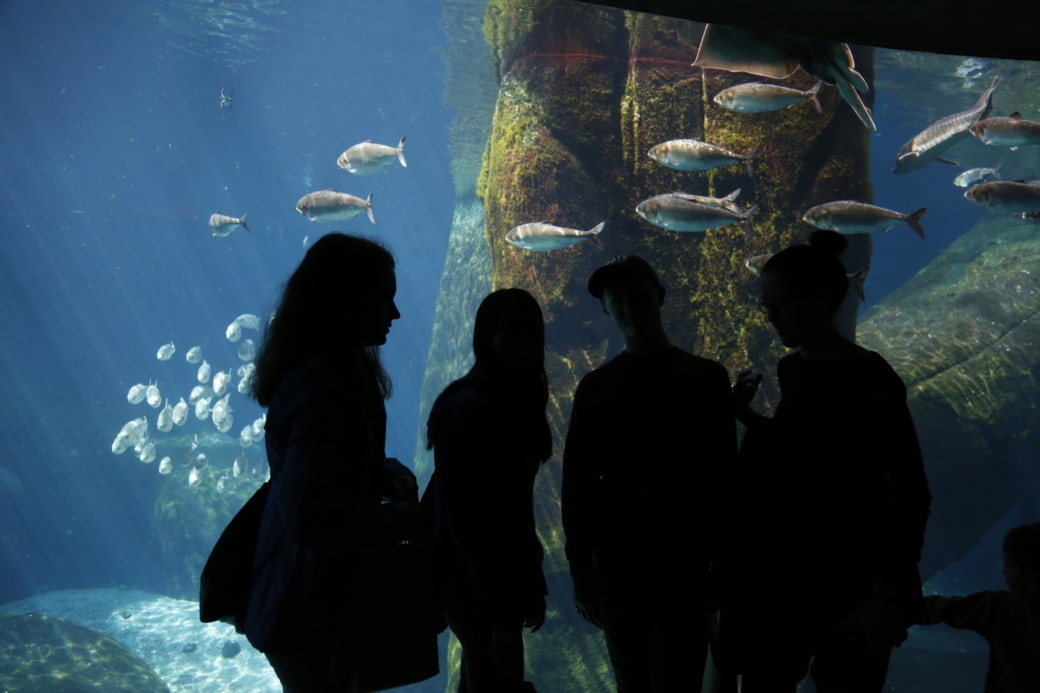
(116, 150)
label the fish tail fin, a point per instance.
(243, 222)
(594, 233)
(745, 222)
(912, 221)
(813, 96)
(400, 152)
(368, 208)
(747, 162)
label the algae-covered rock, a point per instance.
(964, 334)
(42, 653)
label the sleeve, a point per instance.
(975, 612)
(329, 481)
(579, 481)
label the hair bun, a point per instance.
(830, 242)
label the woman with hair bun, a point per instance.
(832, 497)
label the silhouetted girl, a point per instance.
(319, 374)
(489, 435)
(833, 497)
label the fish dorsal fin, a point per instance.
(1015, 116)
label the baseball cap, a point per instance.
(622, 268)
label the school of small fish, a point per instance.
(210, 400)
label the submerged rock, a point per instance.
(230, 649)
(41, 653)
(964, 334)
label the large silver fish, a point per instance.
(1007, 131)
(366, 158)
(849, 216)
(927, 145)
(332, 205)
(680, 213)
(542, 236)
(1006, 195)
(222, 225)
(695, 155)
(762, 97)
(760, 52)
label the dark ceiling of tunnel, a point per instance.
(955, 27)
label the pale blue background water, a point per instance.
(115, 152)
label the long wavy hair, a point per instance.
(313, 319)
(518, 395)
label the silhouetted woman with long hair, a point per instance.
(489, 435)
(319, 375)
(833, 499)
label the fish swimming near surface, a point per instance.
(540, 236)
(1012, 131)
(849, 216)
(968, 178)
(761, 97)
(225, 99)
(695, 155)
(332, 205)
(366, 158)
(929, 144)
(679, 213)
(760, 52)
(222, 225)
(1006, 195)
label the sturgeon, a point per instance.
(928, 145)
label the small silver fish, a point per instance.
(223, 225)
(1006, 195)
(1012, 131)
(849, 216)
(166, 351)
(761, 97)
(761, 52)
(972, 176)
(225, 100)
(927, 145)
(695, 155)
(366, 158)
(679, 213)
(541, 236)
(332, 205)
